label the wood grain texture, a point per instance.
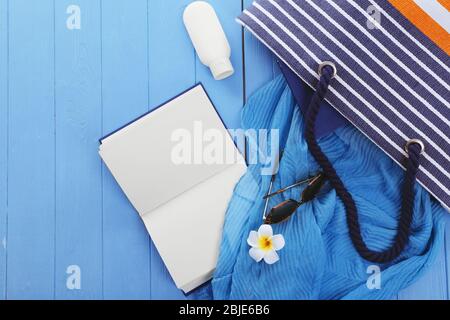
(171, 70)
(78, 168)
(227, 94)
(31, 156)
(60, 91)
(126, 253)
(3, 143)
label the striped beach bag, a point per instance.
(382, 64)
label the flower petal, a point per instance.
(252, 239)
(271, 257)
(265, 230)
(256, 254)
(278, 242)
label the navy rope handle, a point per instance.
(414, 151)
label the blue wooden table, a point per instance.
(66, 82)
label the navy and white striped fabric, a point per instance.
(392, 81)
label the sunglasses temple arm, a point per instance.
(287, 188)
(266, 198)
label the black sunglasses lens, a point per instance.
(282, 211)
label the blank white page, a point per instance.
(139, 155)
(187, 231)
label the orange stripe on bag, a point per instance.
(445, 4)
(424, 22)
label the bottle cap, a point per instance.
(221, 69)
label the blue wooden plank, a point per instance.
(227, 94)
(31, 155)
(78, 167)
(3, 142)
(28, 145)
(125, 96)
(171, 70)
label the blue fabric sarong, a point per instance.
(319, 260)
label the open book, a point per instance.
(178, 166)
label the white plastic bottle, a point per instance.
(208, 38)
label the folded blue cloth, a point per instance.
(319, 260)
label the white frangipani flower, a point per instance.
(264, 245)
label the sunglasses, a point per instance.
(287, 208)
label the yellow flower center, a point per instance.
(265, 243)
